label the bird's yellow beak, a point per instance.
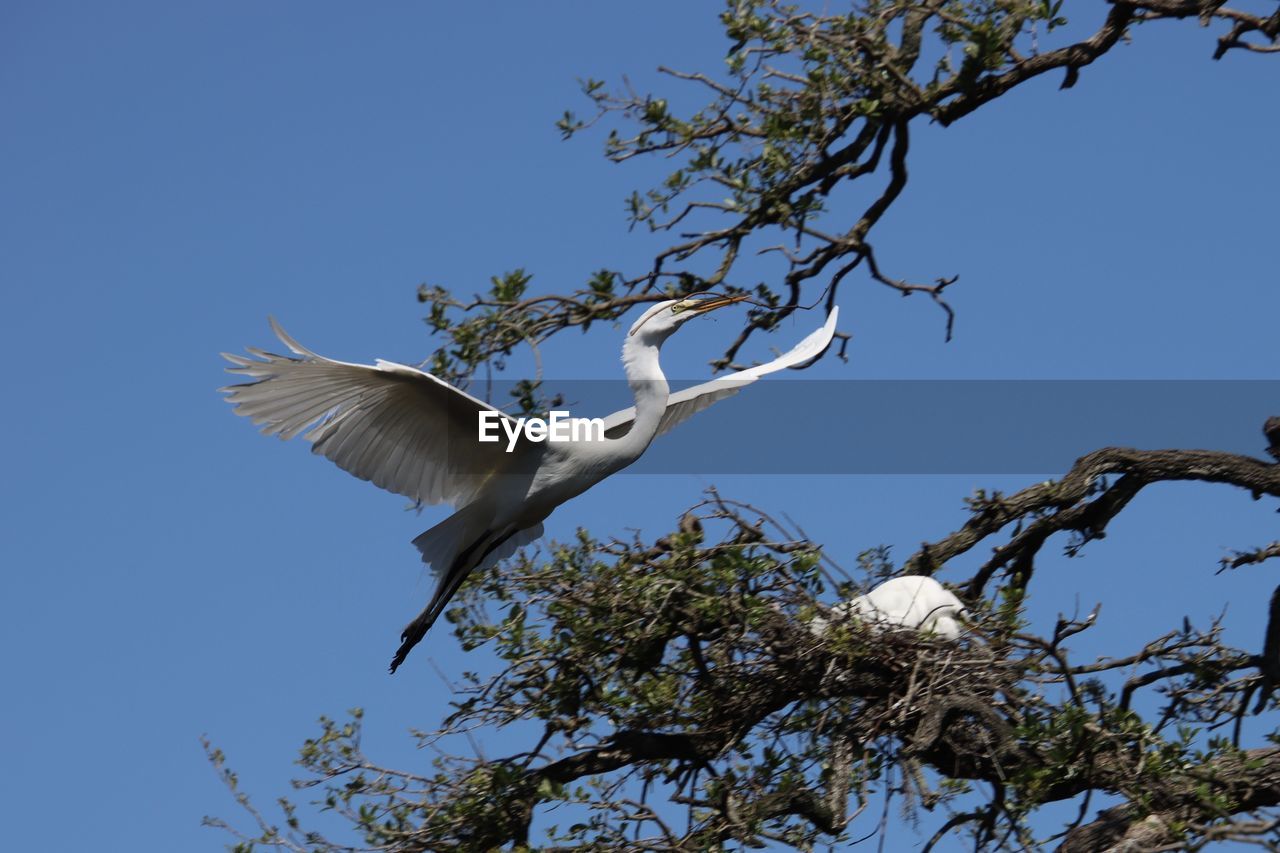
(698, 305)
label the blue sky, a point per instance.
(172, 173)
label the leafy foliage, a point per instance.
(688, 670)
(808, 118)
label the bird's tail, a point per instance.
(455, 548)
(441, 544)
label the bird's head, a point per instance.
(946, 621)
(665, 317)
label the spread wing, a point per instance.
(400, 428)
(684, 404)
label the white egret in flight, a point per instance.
(913, 601)
(413, 434)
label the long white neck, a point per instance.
(650, 389)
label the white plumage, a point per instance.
(913, 601)
(413, 434)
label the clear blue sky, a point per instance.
(172, 173)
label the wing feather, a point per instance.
(394, 425)
(686, 403)
(397, 438)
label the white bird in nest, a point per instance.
(413, 434)
(914, 601)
